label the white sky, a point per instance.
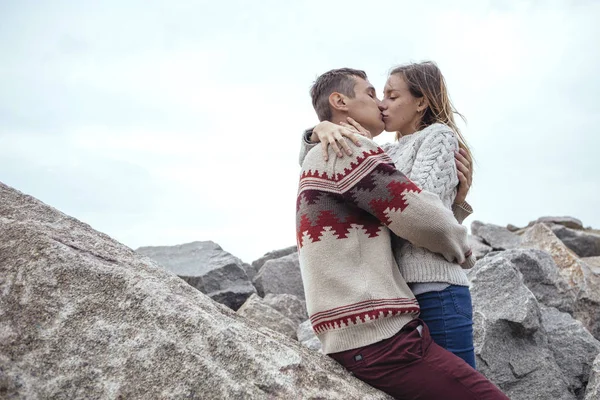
(164, 122)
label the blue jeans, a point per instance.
(449, 316)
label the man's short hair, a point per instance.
(336, 80)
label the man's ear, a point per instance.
(337, 101)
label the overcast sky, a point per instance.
(164, 122)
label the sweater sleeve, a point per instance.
(306, 145)
(461, 211)
(376, 186)
(434, 168)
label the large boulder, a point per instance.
(573, 346)
(575, 272)
(583, 243)
(289, 305)
(83, 316)
(497, 237)
(511, 346)
(592, 392)
(258, 311)
(279, 276)
(208, 268)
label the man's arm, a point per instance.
(376, 186)
(306, 144)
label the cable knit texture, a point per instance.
(427, 158)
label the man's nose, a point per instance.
(381, 106)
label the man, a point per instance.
(360, 306)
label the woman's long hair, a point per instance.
(425, 79)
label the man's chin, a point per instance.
(377, 131)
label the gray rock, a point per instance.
(510, 344)
(569, 222)
(512, 227)
(479, 248)
(573, 346)
(592, 392)
(208, 268)
(85, 317)
(250, 271)
(258, 311)
(257, 264)
(498, 237)
(584, 244)
(576, 273)
(542, 276)
(289, 305)
(307, 336)
(280, 275)
(593, 263)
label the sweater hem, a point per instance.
(434, 272)
(361, 335)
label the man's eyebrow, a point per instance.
(371, 88)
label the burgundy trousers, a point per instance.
(409, 365)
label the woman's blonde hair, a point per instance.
(425, 79)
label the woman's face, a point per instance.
(400, 107)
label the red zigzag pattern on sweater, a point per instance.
(318, 189)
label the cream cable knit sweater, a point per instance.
(427, 158)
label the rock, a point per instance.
(584, 244)
(250, 272)
(576, 273)
(479, 248)
(208, 268)
(592, 392)
(280, 276)
(83, 316)
(307, 336)
(593, 263)
(573, 346)
(498, 237)
(569, 222)
(257, 264)
(511, 346)
(258, 311)
(512, 228)
(288, 305)
(542, 276)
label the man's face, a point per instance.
(364, 107)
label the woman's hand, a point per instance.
(332, 134)
(465, 175)
(358, 127)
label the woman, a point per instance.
(417, 107)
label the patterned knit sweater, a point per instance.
(427, 158)
(346, 208)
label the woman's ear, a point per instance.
(337, 101)
(422, 104)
